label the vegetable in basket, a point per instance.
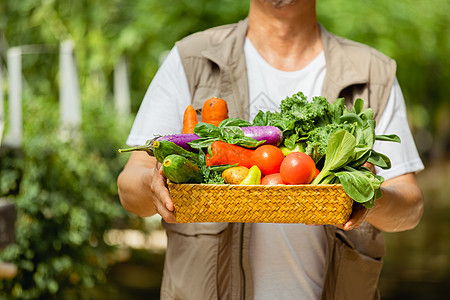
(272, 179)
(268, 158)
(179, 169)
(221, 153)
(189, 120)
(161, 149)
(297, 168)
(253, 177)
(236, 131)
(337, 138)
(214, 111)
(235, 175)
(232, 131)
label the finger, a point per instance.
(162, 210)
(358, 215)
(161, 197)
(370, 166)
(354, 222)
(160, 188)
(167, 215)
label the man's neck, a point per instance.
(288, 38)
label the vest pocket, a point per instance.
(193, 259)
(356, 274)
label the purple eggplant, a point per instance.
(181, 140)
(271, 134)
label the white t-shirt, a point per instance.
(287, 260)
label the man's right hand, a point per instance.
(143, 189)
(160, 194)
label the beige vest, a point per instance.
(211, 261)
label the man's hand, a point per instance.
(359, 214)
(142, 188)
(160, 194)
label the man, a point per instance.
(278, 50)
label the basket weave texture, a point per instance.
(309, 204)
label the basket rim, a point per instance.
(257, 185)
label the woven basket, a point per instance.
(309, 204)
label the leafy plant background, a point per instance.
(65, 190)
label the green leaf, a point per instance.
(221, 168)
(360, 155)
(340, 147)
(367, 114)
(234, 122)
(202, 142)
(338, 109)
(356, 185)
(368, 134)
(202, 163)
(378, 194)
(206, 130)
(358, 106)
(350, 118)
(247, 142)
(369, 204)
(339, 150)
(261, 119)
(290, 141)
(388, 138)
(231, 132)
(330, 179)
(379, 159)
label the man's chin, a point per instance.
(281, 3)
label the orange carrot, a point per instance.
(189, 119)
(214, 111)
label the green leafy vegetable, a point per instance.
(379, 159)
(338, 138)
(388, 138)
(358, 182)
(361, 185)
(356, 185)
(340, 149)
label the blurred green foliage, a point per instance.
(66, 201)
(417, 35)
(65, 190)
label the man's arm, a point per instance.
(401, 206)
(142, 188)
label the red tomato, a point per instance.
(268, 159)
(298, 168)
(317, 173)
(272, 179)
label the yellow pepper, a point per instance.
(298, 147)
(253, 176)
